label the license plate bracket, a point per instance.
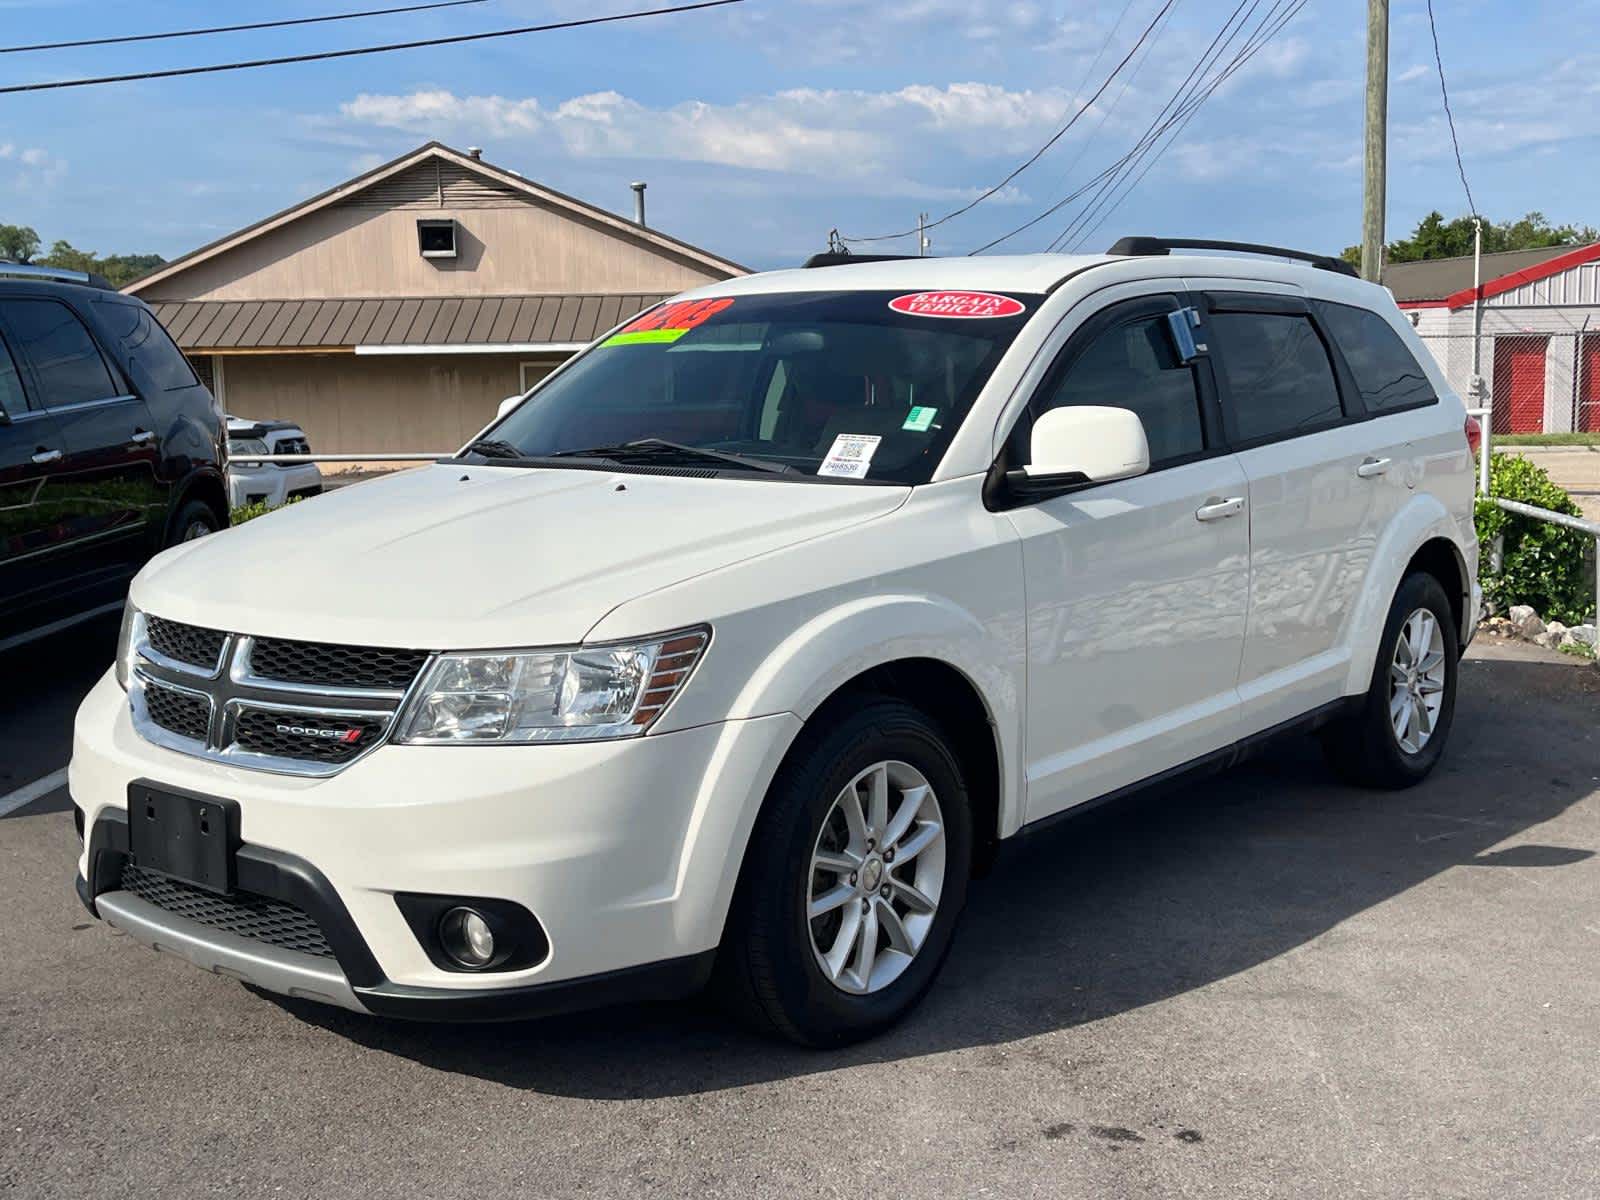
(184, 836)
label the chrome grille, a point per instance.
(259, 918)
(330, 665)
(297, 708)
(182, 713)
(192, 644)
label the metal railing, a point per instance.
(1592, 528)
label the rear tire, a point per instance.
(1397, 734)
(195, 519)
(819, 845)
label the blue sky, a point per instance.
(763, 125)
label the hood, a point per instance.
(468, 557)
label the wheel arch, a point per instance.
(1423, 534)
(203, 484)
(950, 698)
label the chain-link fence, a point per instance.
(1536, 382)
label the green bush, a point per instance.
(249, 512)
(1541, 564)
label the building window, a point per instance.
(436, 239)
(533, 372)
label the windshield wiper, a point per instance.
(494, 448)
(657, 448)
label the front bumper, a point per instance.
(271, 484)
(625, 852)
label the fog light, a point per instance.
(467, 938)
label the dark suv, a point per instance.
(110, 448)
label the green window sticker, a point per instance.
(919, 419)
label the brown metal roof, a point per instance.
(223, 325)
(1436, 278)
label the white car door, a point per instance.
(1136, 590)
(1320, 496)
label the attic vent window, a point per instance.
(436, 239)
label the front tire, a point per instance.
(855, 876)
(1397, 735)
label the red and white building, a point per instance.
(1540, 354)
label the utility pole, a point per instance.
(1377, 139)
(922, 239)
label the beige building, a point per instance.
(395, 311)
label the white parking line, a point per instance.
(28, 793)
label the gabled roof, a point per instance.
(1448, 281)
(621, 226)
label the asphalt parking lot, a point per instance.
(1266, 985)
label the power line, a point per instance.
(1448, 115)
(1202, 63)
(183, 33)
(1252, 46)
(329, 54)
(1038, 154)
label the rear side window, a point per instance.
(1387, 374)
(12, 399)
(1135, 366)
(66, 362)
(1280, 380)
(152, 353)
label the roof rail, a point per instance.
(1140, 246)
(59, 274)
(834, 258)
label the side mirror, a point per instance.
(507, 405)
(1075, 446)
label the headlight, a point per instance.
(125, 639)
(244, 447)
(577, 694)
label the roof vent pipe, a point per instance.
(638, 187)
(474, 152)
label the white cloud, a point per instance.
(29, 168)
(802, 130)
(1411, 74)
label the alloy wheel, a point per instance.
(877, 873)
(1417, 680)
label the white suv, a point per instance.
(735, 650)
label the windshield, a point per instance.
(864, 386)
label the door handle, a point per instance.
(43, 457)
(142, 437)
(1373, 467)
(1215, 509)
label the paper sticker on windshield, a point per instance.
(850, 455)
(920, 419)
(956, 304)
(667, 323)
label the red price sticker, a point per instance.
(669, 322)
(966, 305)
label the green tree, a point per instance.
(118, 269)
(18, 243)
(1434, 237)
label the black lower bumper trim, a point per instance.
(671, 979)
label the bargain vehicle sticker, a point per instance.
(668, 323)
(850, 455)
(956, 304)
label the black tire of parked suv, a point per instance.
(193, 518)
(1363, 747)
(767, 971)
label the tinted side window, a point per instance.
(1280, 380)
(148, 346)
(66, 363)
(12, 399)
(1386, 372)
(1135, 366)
